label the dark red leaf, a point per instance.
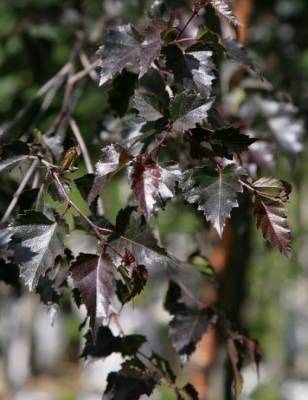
(272, 220)
(93, 277)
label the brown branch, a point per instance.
(82, 145)
(19, 191)
(181, 31)
(50, 84)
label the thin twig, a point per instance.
(82, 145)
(81, 74)
(69, 88)
(90, 67)
(249, 187)
(86, 157)
(19, 191)
(164, 378)
(95, 228)
(160, 142)
(181, 31)
(189, 294)
(185, 40)
(6, 127)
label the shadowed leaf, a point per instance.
(121, 91)
(132, 381)
(188, 392)
(105, 343)
(151, 99)
(12, 154)
(225, 142)
(134, 282)
(187, 328)
(236, 51)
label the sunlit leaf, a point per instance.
(132, 233)
(272, 188)
(153, 185)
(193, 69)
(93, 276)
(272, 220)
(215, 193)
(151, 45)
(223, 8)
(37, 242)
(113, 158)
(188, 109)
(121, 48)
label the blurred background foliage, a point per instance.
(36, 40)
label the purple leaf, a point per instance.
(93, 276)
(113, 158)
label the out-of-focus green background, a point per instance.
(41, 362)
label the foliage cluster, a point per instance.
(176, 140)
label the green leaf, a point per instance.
(37, 242)
(272, 188)
(216, 194)
(188, 109)
(121, 49)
